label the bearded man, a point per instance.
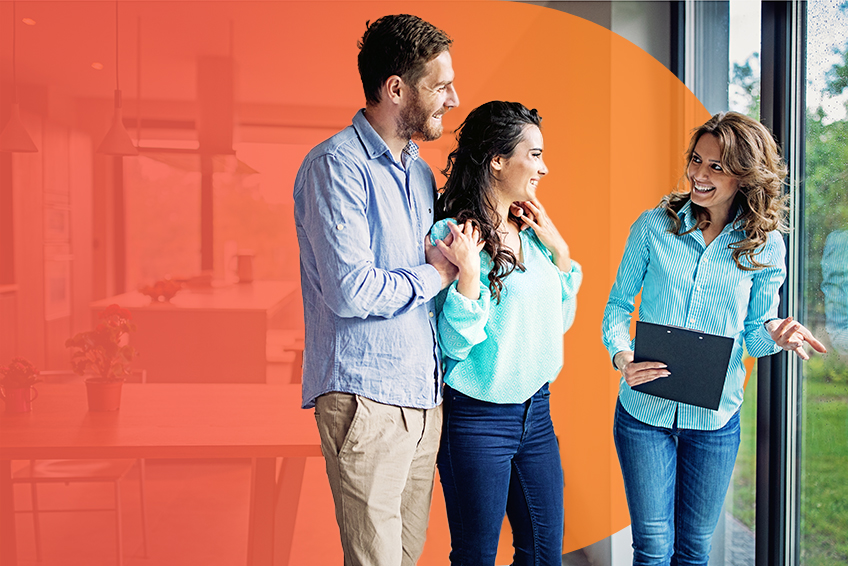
(363, 207)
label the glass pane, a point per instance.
(254, 210)
(163, 217)
(824, 421)
(744, 91)
(733, 541)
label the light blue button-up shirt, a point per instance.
(686, 283)
(361, 219)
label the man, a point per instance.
(363, 206)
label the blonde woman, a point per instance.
(711, 259)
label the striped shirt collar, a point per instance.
(690, 220)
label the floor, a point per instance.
(740, 551)
(197, 515)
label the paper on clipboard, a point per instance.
(697, 362)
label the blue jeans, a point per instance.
(675, 481)
(498, 459)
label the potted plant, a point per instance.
(103, 353)
(16, 385)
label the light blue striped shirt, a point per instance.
(686, 283)
(504, 352)
(834, 285)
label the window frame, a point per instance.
(783, 106)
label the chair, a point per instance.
(81, 471)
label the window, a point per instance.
(823, 430)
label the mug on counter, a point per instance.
(244, 265)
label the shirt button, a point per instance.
(339, 226)
(431, 314)
(692, 321)
(697, 287)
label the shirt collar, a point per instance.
(374, 144)
(689, 219)
(410, 153)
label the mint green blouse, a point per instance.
(504, 352)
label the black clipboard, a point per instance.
(697, 362)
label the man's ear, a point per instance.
(393, 89)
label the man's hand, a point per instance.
(437, 259)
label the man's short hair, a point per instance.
(399, 45)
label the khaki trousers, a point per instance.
(381, 465)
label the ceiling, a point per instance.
(273, 43)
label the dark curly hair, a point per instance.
(749, 154)
(490, 130)
(399, 45)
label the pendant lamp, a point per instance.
(14, 136)
(117, 140)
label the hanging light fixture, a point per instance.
(117, 140)
(14, 136)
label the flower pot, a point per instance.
(103, 394)
(19, 399)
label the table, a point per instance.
(261, 422)
(215, 334)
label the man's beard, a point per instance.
(414, 122)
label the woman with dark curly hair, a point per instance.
(710, 259)
(500, 331)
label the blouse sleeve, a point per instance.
(570, 282)
(628, 283)
(570, 285)
(461, 321)
(764, 298)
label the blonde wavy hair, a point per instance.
(749, 154)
